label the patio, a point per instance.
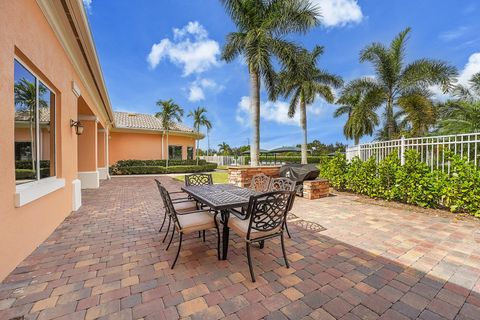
(107, 260)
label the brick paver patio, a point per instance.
(107, 261)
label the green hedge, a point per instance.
(27, 164)
(159, 163)
(21, 174)
(290, 159)
(128, 170)
(413, 183)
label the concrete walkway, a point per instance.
(349, 260)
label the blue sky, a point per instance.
(151, 50)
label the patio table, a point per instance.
(222, 198)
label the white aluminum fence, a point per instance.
(432, 150)
(225, 160)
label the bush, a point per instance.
(159, 163)
(413, 183)
(142, 169)
(290, 159)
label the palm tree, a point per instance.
(471, 93)
(396, 79)
(25, 93)
(170, 112)
(199, 120)
(418, 114)
(224, 148)
(262, 25)
(360, 107)
(461, 116)
(304, 84)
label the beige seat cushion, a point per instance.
(185, 206)
(241, 228)
(196, 222)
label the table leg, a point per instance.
(226, 233)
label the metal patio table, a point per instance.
(222, 198)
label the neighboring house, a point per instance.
(50, 80)
(141, 136)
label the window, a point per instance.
(34, 127)
(190, 153)
(175, 152)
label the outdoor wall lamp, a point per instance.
(78, 126)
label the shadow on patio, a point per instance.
(107, 260)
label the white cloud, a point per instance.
(454, 34)
(190, 49)
(197, 89)
(339, 12)
(275, 111)
(472, 67)
(87, 4)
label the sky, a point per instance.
(154, 50)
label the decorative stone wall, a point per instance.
(316, 189)
(242, 176)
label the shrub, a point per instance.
(142, 169)
(334, 169)
(290, 159)
(159, 163)
(413, 183)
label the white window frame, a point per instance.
(30, 191)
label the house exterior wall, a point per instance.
(26, 34)
(144, 146)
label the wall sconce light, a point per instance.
(78, 126)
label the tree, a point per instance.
(360, 106)
(224, 149)
(262, 25)
(25, 93)
(199, 120)
(304, 83)
(462, 115)
(398, 80)
(170, 112)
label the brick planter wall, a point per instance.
(242, 176)
(316, 189)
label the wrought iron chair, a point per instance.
(198, 179)
(181, 204)
(266, 220)
(283, 184)
(187, 222)
(260, 182)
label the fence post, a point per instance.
(402, 150)
(359, 152)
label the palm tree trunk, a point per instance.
(255, 117)
(303, 123)
(357, 140)
(390, 119)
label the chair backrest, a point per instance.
(281, 184)
(260, 183)
(198, 179)
(167, 203)
(267, 212)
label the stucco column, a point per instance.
(102, 153)
(88, 153)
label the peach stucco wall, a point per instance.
(144, 146)
(25, 33)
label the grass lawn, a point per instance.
(218, 177)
